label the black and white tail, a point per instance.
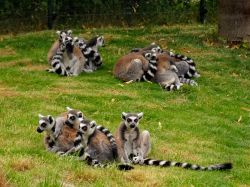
(192, 69)
(150, 73)
(57, 64)
(97, 164)
(110, 138)
(165, 163)
(90, 54)
(188, 81)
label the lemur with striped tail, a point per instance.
(134, 147)
(60, 131)
(93, 147)
(130, 141)
(90, 51)
(56, 44)
(136, 67)
(68, 60)
(185, 65)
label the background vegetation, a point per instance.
(27, 15)
(205, 124)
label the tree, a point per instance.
(234, 20)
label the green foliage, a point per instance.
(29, 15)
(204, 125)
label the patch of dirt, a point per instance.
(86, 176)
(3, 181)
(177, 101)
(7, 92)
(142, 178)
(26, 61)
(22, 165)
(7, 51)
(31, 67)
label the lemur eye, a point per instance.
(129, 120)
(84, 128)
(43, 125)
(72, 118)
(80, 115)
(136, 120)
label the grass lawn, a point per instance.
(205, 125)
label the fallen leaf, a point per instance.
(239, 120)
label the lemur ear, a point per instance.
(58, 32)
(68, 108)
(69, 32)
(80, 115)
(148, 55)
(51, 119)
(153, 43)
(140, 115)
(40, 116)
(93, 124)
(124, 115)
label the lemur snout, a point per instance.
(39, 130)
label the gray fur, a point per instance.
(131, 141)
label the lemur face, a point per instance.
(79, 43)
(156, 49)
(150, 55)
(45, 123)
(65, 37)
(100, 41)
(131, 119)
(87, 127)
(74, 116)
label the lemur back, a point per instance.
(136, 67)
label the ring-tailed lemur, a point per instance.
(136, 67)
(73, 114)
(186, 69)
(134, 146)
(55, 45)
(90, 51)
(54, 140)
(129, 139)
(168, 163)
(93, 147)
(57, 62)
(68, 59)
(60, 130)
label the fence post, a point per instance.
(202, 11)
(50, 14)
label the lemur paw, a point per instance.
(137, 160)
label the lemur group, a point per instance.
(70, 56)
(72, 133)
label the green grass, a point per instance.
(195, 124)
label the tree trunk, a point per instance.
(234, 20)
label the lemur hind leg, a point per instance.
(145, 143)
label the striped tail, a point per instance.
(164, 163)
(110, 138)
(97, 60)
(150, 73)
(97, 164)
(94, 162)
(188, 81)
(192, 66)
